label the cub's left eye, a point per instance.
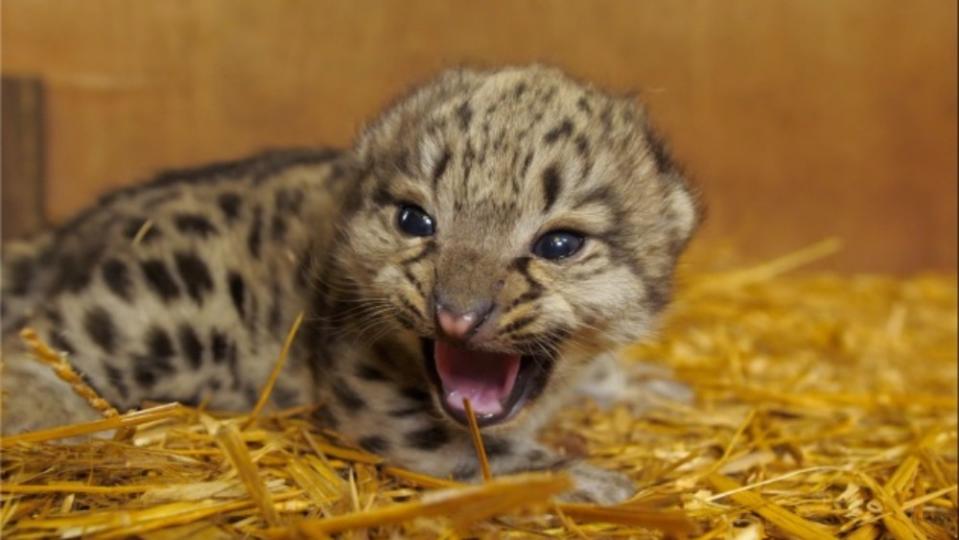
(414, 221)
(556, 245)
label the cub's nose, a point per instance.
(458, 323)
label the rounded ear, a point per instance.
(684, 209)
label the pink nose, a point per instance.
(455, 325)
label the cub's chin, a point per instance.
(498, 385)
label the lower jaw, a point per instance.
(533, 374)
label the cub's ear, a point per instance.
(683, 209)
(682, 204)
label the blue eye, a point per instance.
(556, 245)
(412, 220)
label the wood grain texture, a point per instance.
(23, 159)
(798, 119)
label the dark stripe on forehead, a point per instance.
(441, 165)
(468, 157)
(526, 162)
(465, 115)
(519, 90)
(552, 185)
(382, 195)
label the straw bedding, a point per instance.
(822, 406)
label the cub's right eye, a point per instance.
(414, 221)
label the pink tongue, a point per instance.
(485, 378)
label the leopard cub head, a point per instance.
(518, 223)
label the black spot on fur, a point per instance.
(61, 343)
(370, 373)
(429, 438)
(583, 105)
(465, 115)
(99, 326)
(278, 228)
(219, 345)
(20, 272)
(115, 378)
(230, 205)
(116, 276)
(159, 279)
(415, 394)
(562, 131)
(374, 444)
(148, 368)
(496, 446)
(408, 411)
(159, 343)
(191, 345)
(237, 292)
(288, 201)
(194, 225)
(552, 185)
(582, 145)
(195, 275)
(75, 271)
(519, 90)
(347, 397)
(143, 373)
(441, 165)
(324, 417)
(255, 237)
(469, 156)
(383, 197)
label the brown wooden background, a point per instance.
(799, 119)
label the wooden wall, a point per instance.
(799, 119)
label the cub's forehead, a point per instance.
(510, 133)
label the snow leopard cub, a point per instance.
(488, 237)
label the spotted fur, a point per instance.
(183, 288)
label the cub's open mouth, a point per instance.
(498, 385)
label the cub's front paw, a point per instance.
(599, 486)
